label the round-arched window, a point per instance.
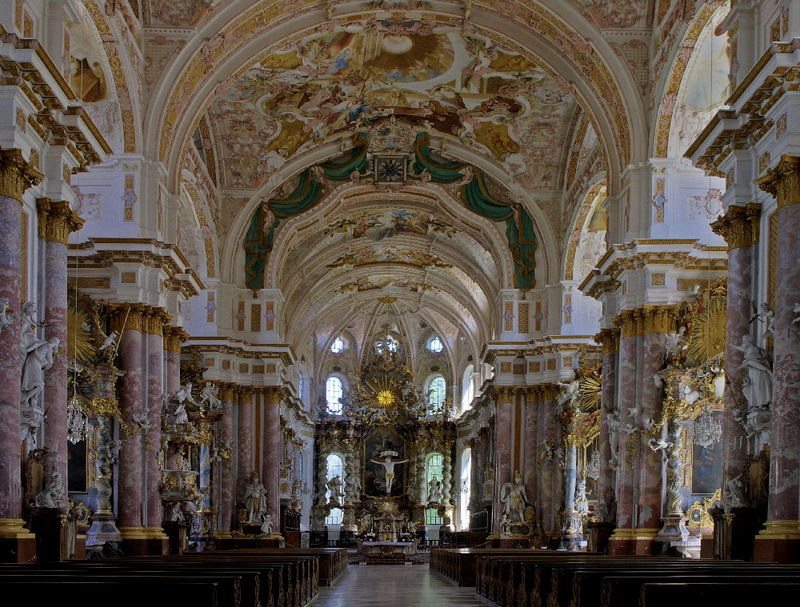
(435, 344)
(468, 387)
(437, 390)
(335, 467)
(333, 393)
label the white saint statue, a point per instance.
(568, 392)
(514, 499)
(255, 500)
(38, 359)
(209, 401)
(757, 387)
(388, 465)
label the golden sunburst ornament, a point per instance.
(707, 336)
(590, 389)
(385, 398)
(79, 339)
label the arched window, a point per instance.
(463, 505)
(434, 464)
(333, 392)
(437, 391)
(468, 387)
(335, 466)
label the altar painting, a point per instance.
(707, 465)
(378, 442)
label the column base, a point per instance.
(778, 542)
(637, 541)
(17, 544)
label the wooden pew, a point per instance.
(125, 593)
(669, 594)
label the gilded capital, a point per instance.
(609, 340)
(173, 338)
(225, 392)
(739, 226)
(155, 320)
(646, 320)
(16, 175)
(783, 182)
(272, 395)
(127, 317)
(57, 220)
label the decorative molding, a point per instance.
(16, 174)
(740, 226)
(609, 340)
(647, 320)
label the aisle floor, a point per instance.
(394, 585)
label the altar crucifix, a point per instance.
(388, 464)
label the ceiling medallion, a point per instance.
(387, 299)
(391, 170)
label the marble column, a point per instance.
(16, 176)
(502, 451)
(245, 442)
(173, 338)
(531, 445)
(475, 488)
(780, 540)
(225, 467)
(547, 462)
(621, 542)
(740, 226)
(129, 321)
(271, 463)
(657, 323)
(608, 459)
(154, 322)
(56, 221)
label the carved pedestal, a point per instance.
(56, 535)
(17, 544)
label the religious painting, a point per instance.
(380, 445)
(707, 464)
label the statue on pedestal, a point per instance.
(335, 486)
(514, 499)
(434, 491)
(52, 494)
(255, 499)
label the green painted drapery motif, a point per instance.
(519, 224)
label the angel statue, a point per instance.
(568, 392)
(7, 317)
(673, 342)
(209, 399)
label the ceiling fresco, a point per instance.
(459, 84)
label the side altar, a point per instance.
(386, 438)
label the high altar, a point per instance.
(385, 436)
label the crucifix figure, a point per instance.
(388, 464)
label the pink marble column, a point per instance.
(740, 227)
(15, 177)
(650, 471)
(173, 337)
(226, 504)
(531, 445)
(56, 221)
(619, 542)
(502, 450)
(272, 453)
(10, 362)
(781, 539)
(605, 483)
(132, 401)
(245, 442)
(155, 320)
(546, 465)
